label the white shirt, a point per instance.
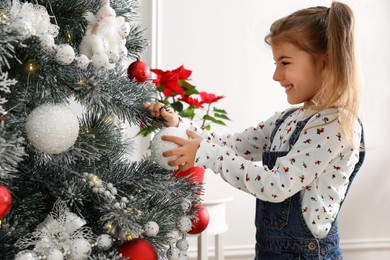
(318, 165)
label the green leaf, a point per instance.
(221, 111)
(221, 116)
(189, 89)
(207, 127)
(189, 112)
(214, 120)
(177, 106)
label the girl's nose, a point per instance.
(278, 75)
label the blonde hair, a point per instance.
(329, 31)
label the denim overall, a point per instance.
(281, 231)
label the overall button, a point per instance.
(312, 246)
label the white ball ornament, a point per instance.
(185, 224)
(151, 229)
(65, 54)
(104, 241)
(55, 254)
(80, 249)
(52, 128)
(82, 61)
(159, 146)
(183, 255)
(173, 253)
(182, 244)
(26, 255)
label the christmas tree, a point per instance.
(68, 189)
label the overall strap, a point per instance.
(279, 121)
(300, 125)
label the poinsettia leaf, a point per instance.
(177, 106)
(221, 111)
(160, 88)
(214, 120)
(189, 112)
(221, 116)
(189, 89)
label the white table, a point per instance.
(216, 205)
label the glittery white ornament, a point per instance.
(82, 61)
(173, 253)
(159, 146)
(151, 229)
(104, 241)
(65, 54)
(185, 224)
(80, 249)
(55, 254)
(182, 244)
(26, 255)
(52, 128)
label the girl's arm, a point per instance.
(320, 152)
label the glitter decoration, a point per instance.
(52, 128)
(159, 146)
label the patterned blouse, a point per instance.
(318, 165)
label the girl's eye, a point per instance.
(284, 63)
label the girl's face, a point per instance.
(298, 72)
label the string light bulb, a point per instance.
(129, 237)
(31, 67)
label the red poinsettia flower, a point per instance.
(182, 73)
(169, 80)
(208, 98)
(191, 101)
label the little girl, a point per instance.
(310, 154)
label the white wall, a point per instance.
(222, 42)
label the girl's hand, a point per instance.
(158, 109)
(185, 152)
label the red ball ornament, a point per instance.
(139, 71)
(198, 226)
(5, 201)
(138, 249)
